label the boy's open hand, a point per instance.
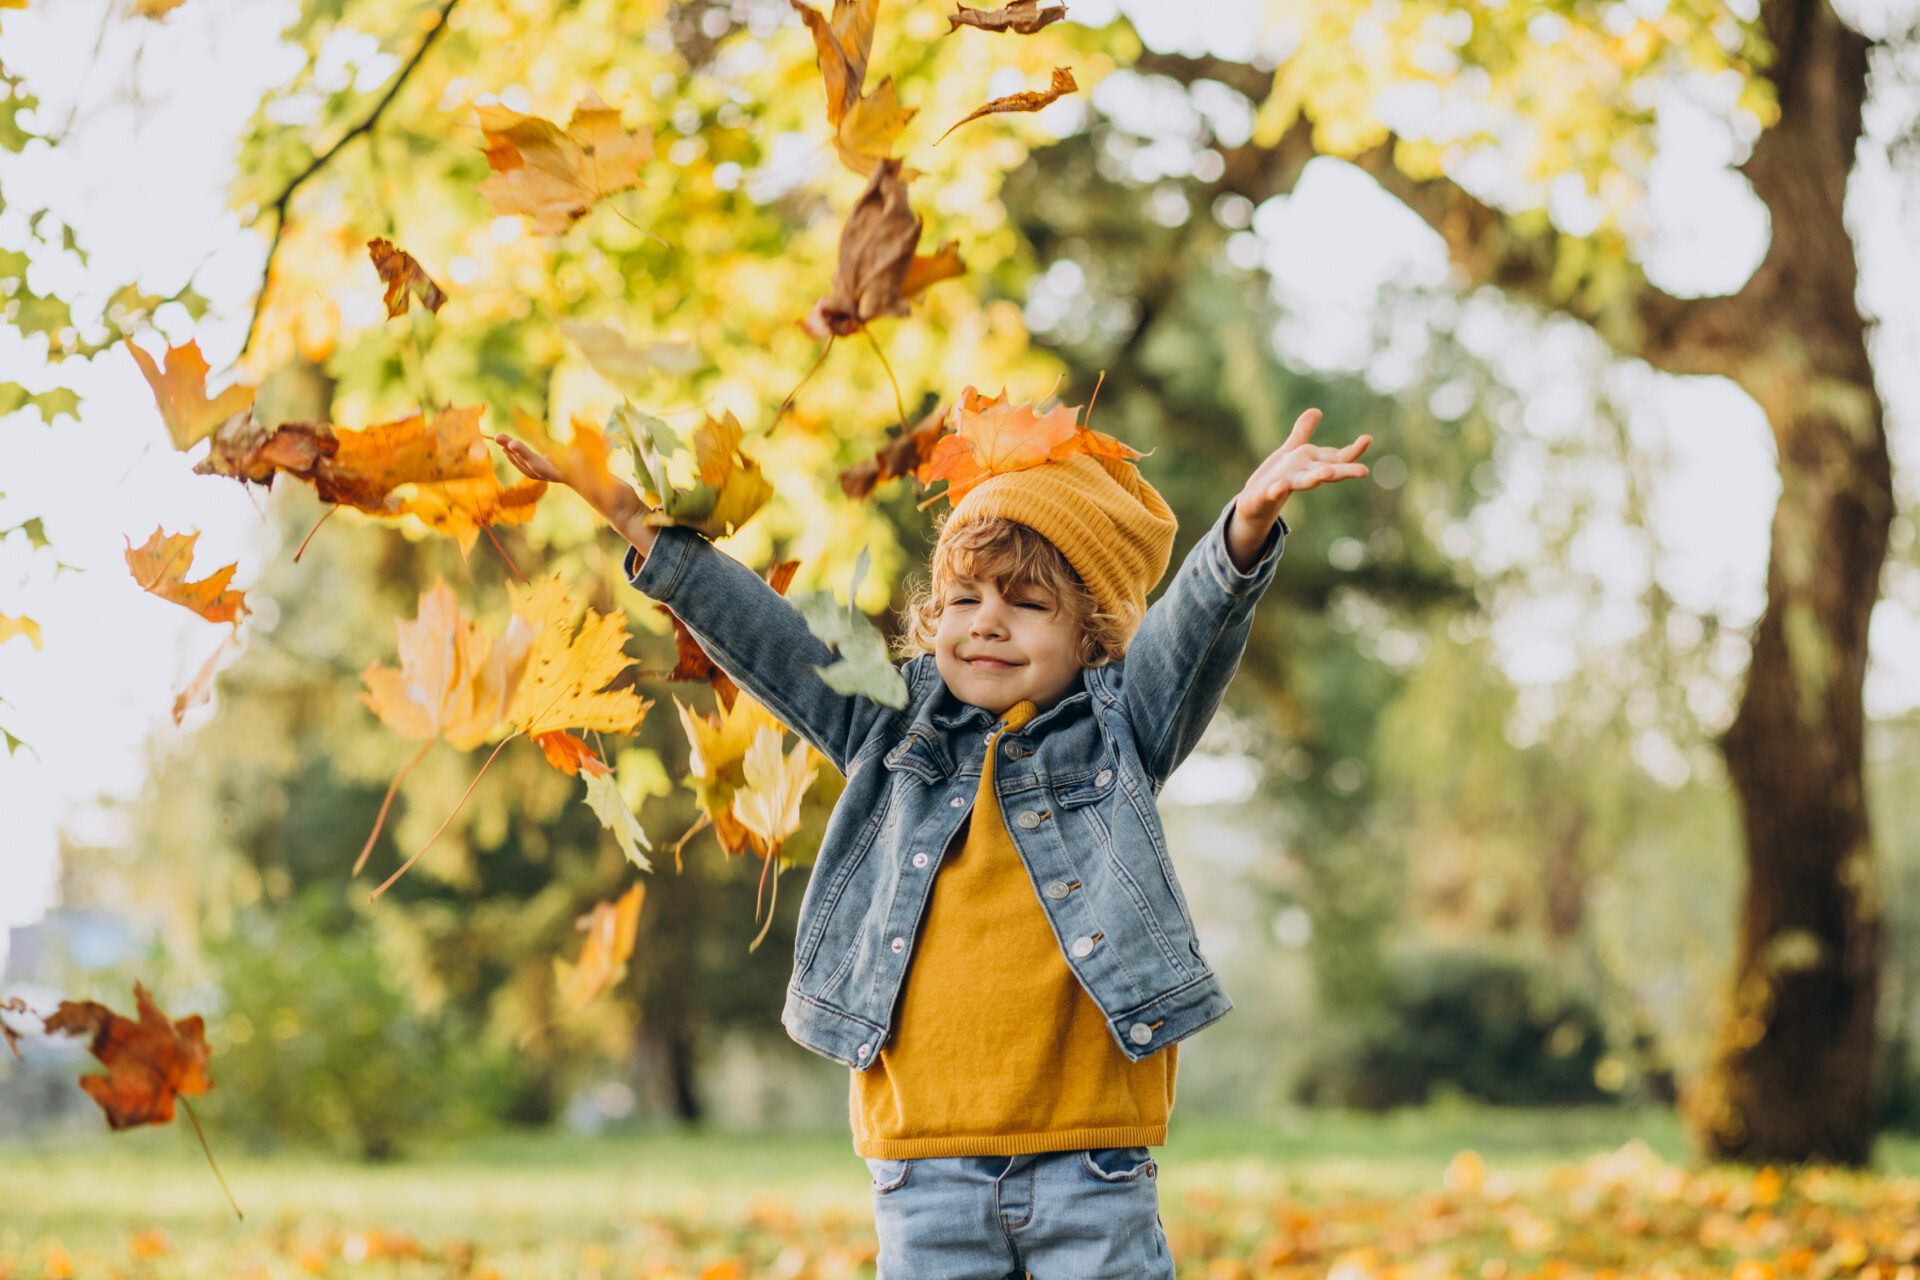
(1297, 464)
(614, 499)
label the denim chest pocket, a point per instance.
(1097, 783)
(920, 756)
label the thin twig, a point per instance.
(791, 395)
(201, 1134)
(381, 820)
(279, 206)
(444, 823)
(900, 406)
(331, 508)
(504, 556)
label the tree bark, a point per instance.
(1793, 1077)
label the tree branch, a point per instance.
(319, 162)
(1679, 335)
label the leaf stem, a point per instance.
(793, 394)
(200, 1133)
(381, 820)
(900, 405)
(331, 508)
(775, 898)
(374, 896)
(504, 556)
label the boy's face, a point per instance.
(997, 649)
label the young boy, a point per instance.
(992, 937)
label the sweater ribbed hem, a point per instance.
(1014, 1144)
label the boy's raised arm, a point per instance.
(1189, 644)
(746, 627)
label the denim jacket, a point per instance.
(1076, 786)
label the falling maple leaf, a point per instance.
(405, 279)
(568, 670)
(181, 393)
(1026, 100)
(1022, 16)
(149, 1062)
(716, 762)
(454, 681)
(992, 437)
(691, 662)
(608, 805)
(877, 272)
(247, 449)
(22, 626)
(863, 666)
(611, 929)
(728, 488)
(621, 362)
(555, 176)
(865, 126)
(769, 804)
(866, 134)
(161, 568)
(460, 509)
(900, 456)
(368, 465)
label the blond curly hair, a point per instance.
(1014, 558)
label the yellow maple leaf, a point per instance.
(769, 804)
(716, 765)
(453, 681)
(181, 393)
(568, 671)
(555, 176)
(611, 929)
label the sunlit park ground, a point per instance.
(1444, 1192)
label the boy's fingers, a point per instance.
(1302, 429)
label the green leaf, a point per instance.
(608, 805)
(35, 529)
(864, 666)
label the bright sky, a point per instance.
(142, 182)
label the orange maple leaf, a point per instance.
(162, 565)
(181, 393)
(368, 465)
(149, 1062)
(554, 175)
(1026, 100)
(877, 271)
(992, 437)
(460, 509)
(611, 928)
(568, 754)
(405, 279)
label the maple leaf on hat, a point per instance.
(149, 1062)
(992, 437)
(161, 568)
(181, 393)
(405, 279)
(1022, 16)
(611, 929)
(554, 176)
(877, 272)
(1026, 100)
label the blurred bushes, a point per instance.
(1464, 1021)
(321, 1044)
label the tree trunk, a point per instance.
(1793, 1077)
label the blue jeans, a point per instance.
(1060, 1215)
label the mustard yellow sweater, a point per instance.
(997, 1050)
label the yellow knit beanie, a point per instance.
(1113, 527)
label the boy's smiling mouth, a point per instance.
(989, 663)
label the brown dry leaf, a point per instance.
(567, 674)
(1021, 16)
(611, 928)
(149, 1062)
(200, 688)
(161, 568)
(992, 437)
(1025, 100)
(181, 393)
(877, 271)
(454, 680)
(691, 661)
(843, 44)
(405, 279)
(245, 449)
(569, 755)
(904, 454)
(556, 176)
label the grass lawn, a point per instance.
(1287, 1197)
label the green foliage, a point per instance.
(321, 1042)
(864, 666)
(1469, 1022)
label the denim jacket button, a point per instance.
(1014, 750)
(1103, 777)
(863, 1051)
(1028, 819)
(1140, 1033)
(1058, 890)
(898, 945)
(1083, 947)
(919, 859)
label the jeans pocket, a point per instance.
(1118, 1164)
(888, 1175)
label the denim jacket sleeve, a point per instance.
(1189, 644)
(756, 637)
